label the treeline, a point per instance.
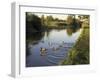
(39, 24)
(33, 23)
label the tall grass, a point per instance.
(79, 54)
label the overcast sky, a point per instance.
(60, 16)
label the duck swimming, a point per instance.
(43, 51)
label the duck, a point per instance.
(43, 49)
(43, 53)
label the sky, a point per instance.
(57, 15)
(60, 16)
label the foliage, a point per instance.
(79, 54)
(70, 20)
(33, 23)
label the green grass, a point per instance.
(79, 54)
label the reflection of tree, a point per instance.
(35, 37)
(27, 50)
(71, 29)
(48, 33)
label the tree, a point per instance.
(50, 18)
(69, 19)
(33, 23)
(42, 20)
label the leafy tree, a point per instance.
(69, 20)
(42, 20)
(33, 23)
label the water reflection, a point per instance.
(71, 29)
(33, 39)
(55, 42)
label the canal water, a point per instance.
(49, 48)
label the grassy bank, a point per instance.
(79, 54)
